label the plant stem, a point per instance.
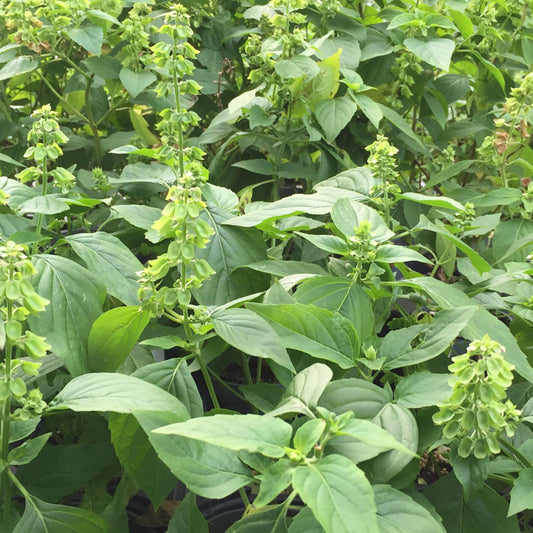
(512, 452)
(92, 123)
(40, 216)
(246, 369)
(244, 498)
(6, 419)
(208, 381)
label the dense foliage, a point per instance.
(280, 249)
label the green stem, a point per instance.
(246, 369)
(177, 95)
(40, 216)
(277, 164)
(125, 490)
(244, 497)
(213, 374)
(6, 419)
(259, 370)
(64, 102)
(208, 381)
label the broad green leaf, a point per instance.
(257, 166)
(208, 470)
(398, 121)
(493, 69)
(486, 512)
(296, 67)
(446, 326)
(437, 201)
(113, 335)
(10, 224)
(521, 493)
(479, 263)
(307, 436)
(273, 481)
(106, 66)
(136, 82)
(309, 384)
(401, 424)
(305, 522)
(326, 83)
(463, 22)
(43, 517)
(447, 296)
(348, 215)
(280, 268)
(334, 115)
(251, 334)
(45, 205)
(422, 389)
(137, 455)
(188, 517)
(436, 52)
(253, 433)
(470, 471)
(371, 110)
(310, 329)
(328, 243)
(61, 469)
(268, 520)
(365, 399)
(339, 495)
(76, 297)
(112, 261)
(118, 393)
(390, 253)
(399, 513)
(462, 129)
(453, 87)
(174, 376)
(228, 249)
(140, 216)
(340, 296)
(318, 203)
(18, 65)
(28, 450)
(89, 37)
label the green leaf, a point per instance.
(326, 83)
(174, 376)
(436, 201)
(279, 268)
(401, 424)
(390, 253)
(477, 261)
(399, 513)
(449, 172)
(446, 326)
(256, 166)
(140, 216)
(462, 129)
(208, 470)
(76, 298)
(268, 520)
(319, 203)
(296, 67)
(328, 243)
(45, 205)
(310, 329)
(250, 334)
(370, 108)
(137, 455)
(340, 296)
(521, 494)
(229, 248)
(18, 65)
(188, 517)
(463, 22)
(136, 82)
(334, 115)
(28, 450)
(43, 517)
(91, 38)
(436, 52)
(348, 215)
(113, 335)
(61, 469)
(470, 471)
(339, 495)
(422, 389)
(253, 433)
(307, 436)
(365, 399)
(106, 66)
(305, 522)
(112, 261)
(398, 121)
(486, 512)
(119, 393)
(273, 481)
(447, 296)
